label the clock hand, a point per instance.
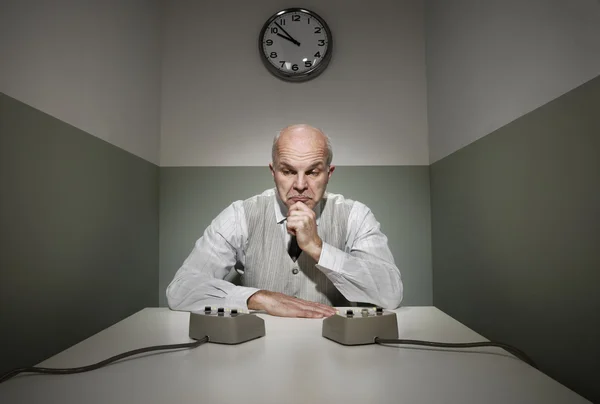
(289, 36)
(289, 39)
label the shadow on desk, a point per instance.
(477, 352)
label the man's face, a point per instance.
(300, 170)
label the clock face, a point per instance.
(295, 44)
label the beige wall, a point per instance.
(92, 64)
(221, 107)
(491, 61)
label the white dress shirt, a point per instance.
(363, 272)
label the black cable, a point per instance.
(511, 349)
(67, 371)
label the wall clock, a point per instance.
(295, 44)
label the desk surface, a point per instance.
(293, 363)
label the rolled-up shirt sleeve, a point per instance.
(365, 271)
(200, 280)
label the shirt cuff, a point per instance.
(331, 259)
(238, 297)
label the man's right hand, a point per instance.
(278, 304)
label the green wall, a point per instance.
(78, 234)
(516, 236)
(190, 197)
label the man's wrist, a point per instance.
(255, 301)
(315, 250)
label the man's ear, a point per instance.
(272, 169)
(331, 168)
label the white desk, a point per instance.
(291, 364)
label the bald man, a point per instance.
(303, 250)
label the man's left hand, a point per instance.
(302, 223)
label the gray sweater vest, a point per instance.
(268, 264)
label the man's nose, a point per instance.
(300, 182)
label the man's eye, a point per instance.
(286, 172)
(313, 173)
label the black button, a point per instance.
(295, 271)
(207, 309)
(349, 313)
(233, 311)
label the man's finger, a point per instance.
(316, 314)
(299, 206)
(310, 313)
(295, 222)
(302, 213)
(325, 308)
(303, 308)
(303, 206)
(295, 213)
(291, 227)
(317, 307)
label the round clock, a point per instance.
(295, 44)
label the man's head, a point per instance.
(301, 164)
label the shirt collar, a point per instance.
(281, 209)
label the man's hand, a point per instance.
(302, 223)
(278, 304)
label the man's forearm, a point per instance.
(315, 250)
(193, 293)
(362, 279)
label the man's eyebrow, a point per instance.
(314, 165)
(317, 164)
(285, 165)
